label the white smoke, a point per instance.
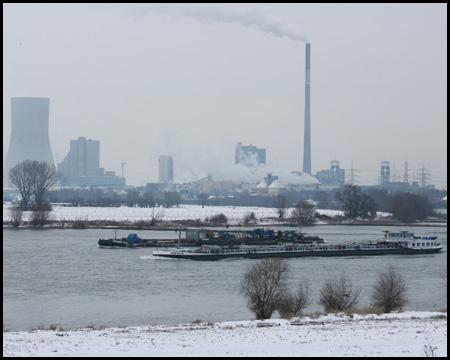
(251, 15)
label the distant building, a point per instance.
(249, 155)
(166, 169)
(334, 178)
(81, 166)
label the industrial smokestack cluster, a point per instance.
(29, 132)
(307, 135)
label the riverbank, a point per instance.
(408, 334)
(189, 216)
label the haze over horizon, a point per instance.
(192, 80)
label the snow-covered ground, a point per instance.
(408, 334)
(234, 214)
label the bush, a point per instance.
(408, 207)
(290, 304)
(389, 292)
(338, 294)
(219, 219)
(263, 284)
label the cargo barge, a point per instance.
(403, 243)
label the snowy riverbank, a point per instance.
(407, 334)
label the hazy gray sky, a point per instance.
(192, 80)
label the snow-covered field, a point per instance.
(234, 214)
(408, 334)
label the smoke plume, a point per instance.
(249, 15)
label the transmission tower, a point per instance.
(424, 176)
(405, 176)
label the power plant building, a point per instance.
(166, 169)
(249, 155)
(29, 133)
(81, 166)
(333, 178)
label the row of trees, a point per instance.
(265, 287)
(406, 207)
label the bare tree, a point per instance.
(338, 294)
(355, 203)
(303, 213)
(171, 198)
(132, 198)
(280, 203)
(249, 217)
(45, 176)
(155, 218)
(203, 197)
(390, 290)
(21, 178)
(408, 207)
(16, 213)
(262, 285)
(40, 213)
(292, 304)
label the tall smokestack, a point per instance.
(307, 140)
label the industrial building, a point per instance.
(249, 155)
(165, 169)
(81, 166)
(29, 133)
(333, 178)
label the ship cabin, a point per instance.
(408, 240)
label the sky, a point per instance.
(192, 80)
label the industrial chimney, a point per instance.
(307, 138)
(29, 132)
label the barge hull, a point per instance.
(296, 254)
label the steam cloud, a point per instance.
(251, 15)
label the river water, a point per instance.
(62, 277)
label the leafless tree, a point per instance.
(303, 213)
(21, 178)
(156, 217)
(40, 213)
(408, 207)
(171, 198)
(262, 285)
(132, 198)
(203, 197)
(390, 290)
(338, 294)
(280, 203)
(44, 177)
(249, 217)
(33, 179)
(356, 203)
(16, 213)
(292, 304)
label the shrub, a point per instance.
(263, 284)
(389, 292)
(338, 294)
(290, 305)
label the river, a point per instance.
(62, 278)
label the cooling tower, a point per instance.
(29, 132)
(307, 139)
